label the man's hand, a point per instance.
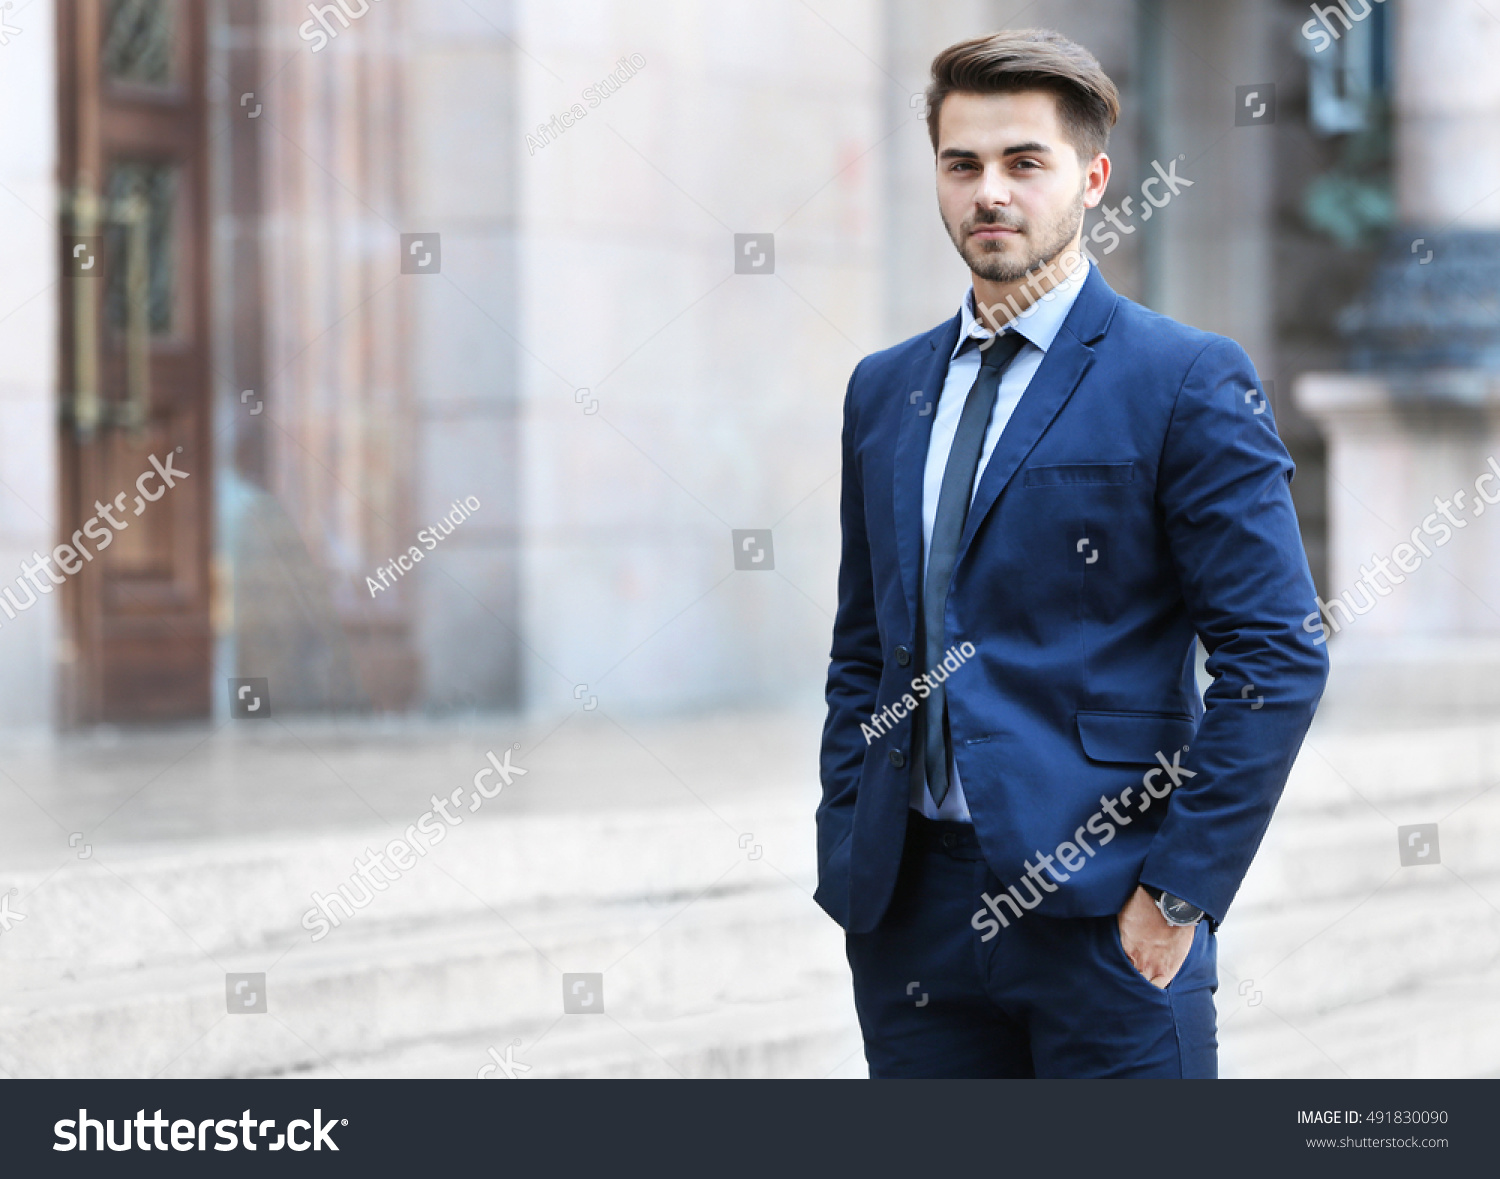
(1155, 948)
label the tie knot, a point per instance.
(998, 350)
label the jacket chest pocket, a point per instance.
(1078, 474)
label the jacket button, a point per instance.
(903, 655)
(898, 759)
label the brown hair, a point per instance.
(1030, 59)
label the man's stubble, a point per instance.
(992, 266)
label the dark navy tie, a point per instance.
(953, 507)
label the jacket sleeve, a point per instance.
(856, 660)
(1223, 492)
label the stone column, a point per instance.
(1447, 97)
(1417, 422)
(32, 644)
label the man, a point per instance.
(1031, 822)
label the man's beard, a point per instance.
(993, 266)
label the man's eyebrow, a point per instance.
(963, 153)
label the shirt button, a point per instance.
(903, 655)
(949, 839)
(898, 759)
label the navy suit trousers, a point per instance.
(1045, 997)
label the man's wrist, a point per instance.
(1174, 910)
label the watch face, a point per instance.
(1179, 911)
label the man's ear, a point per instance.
(1095, 180)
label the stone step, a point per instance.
(232, 898)
(366, 988)
(1348, 966)
(811, 1036)
(1446, 1027)
(1353, 849)
(1405, 774)
(1350, 961)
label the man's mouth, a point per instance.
(993, 232)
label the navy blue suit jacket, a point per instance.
(1135, 499)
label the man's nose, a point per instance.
(994, 188)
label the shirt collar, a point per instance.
(1038, 324)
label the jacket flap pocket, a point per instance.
(1133, 736)
(1064, 474)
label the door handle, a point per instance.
(133, 214)
(89, 409)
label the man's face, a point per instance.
(1010, 185)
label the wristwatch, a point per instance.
(1174, 910)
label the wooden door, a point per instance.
(135, 393)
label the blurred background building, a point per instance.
(503, 346)
(581, 357)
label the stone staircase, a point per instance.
(1351, 964)
(714, 963)
(1336, 960)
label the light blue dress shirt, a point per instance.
(1039, 324)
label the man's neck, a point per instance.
(997, 303)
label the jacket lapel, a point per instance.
(1065, 364)
(919, 406)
